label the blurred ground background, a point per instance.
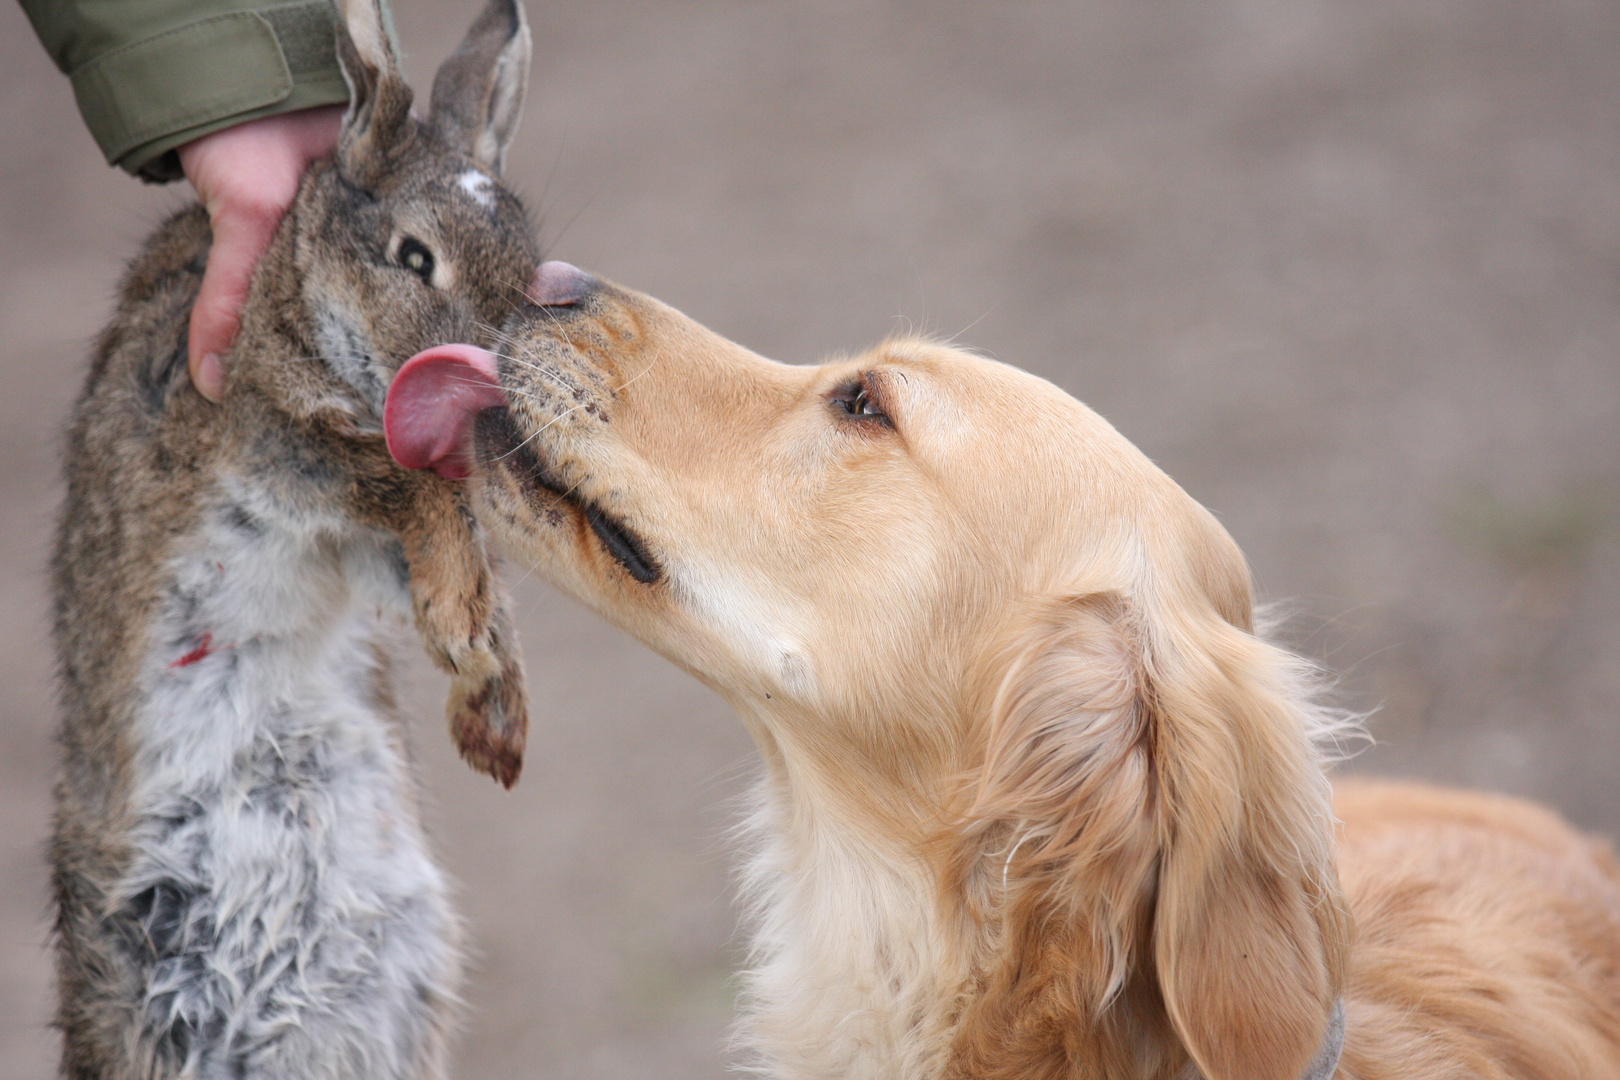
(1349, 271)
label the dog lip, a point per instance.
(500, 442)
(622, 544)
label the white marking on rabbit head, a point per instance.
(478, 186)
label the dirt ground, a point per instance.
(1349, 271)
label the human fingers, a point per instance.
(247, 176)
(241, 234)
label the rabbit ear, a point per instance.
(378, 120)
(463, 618)
(478, 93)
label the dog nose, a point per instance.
(559, 284)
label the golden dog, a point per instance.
(1038, 803)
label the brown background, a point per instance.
(1349, 270)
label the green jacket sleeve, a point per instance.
(151, 75)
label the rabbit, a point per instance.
(242, 885)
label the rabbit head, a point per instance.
(403, 239)
(407, 235)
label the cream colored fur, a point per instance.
(1038, 802)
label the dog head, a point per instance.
(956, 607)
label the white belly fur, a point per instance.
(300, 924)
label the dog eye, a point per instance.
(856, 399)
(415, 257)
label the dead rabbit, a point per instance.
(242, 885)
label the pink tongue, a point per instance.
(432, 404)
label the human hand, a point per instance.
(246, 177)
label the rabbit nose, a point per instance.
(559, 284)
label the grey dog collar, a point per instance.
(1322, 1066)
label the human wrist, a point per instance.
(145, 99)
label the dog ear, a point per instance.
(1155, 805)
(1063, 841)
(1251, 930)
(378, 120)
(478, 93)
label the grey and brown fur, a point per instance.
(242, 886)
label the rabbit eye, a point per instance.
(415, 257)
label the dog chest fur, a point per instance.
(848, 950)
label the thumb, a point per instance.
(240, 238)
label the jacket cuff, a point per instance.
(145, 99)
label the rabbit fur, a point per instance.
(242, 884)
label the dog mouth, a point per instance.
(447, 410)
(498, 444)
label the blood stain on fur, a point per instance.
(205, 645)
